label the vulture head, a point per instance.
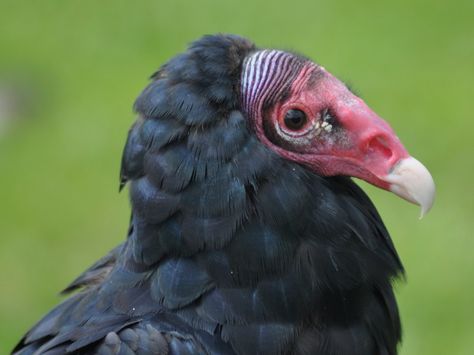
(306, 115)
(299, 110)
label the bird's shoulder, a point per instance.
(119, 309)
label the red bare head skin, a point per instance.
(340, 135)
(354, 142)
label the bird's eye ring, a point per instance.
(295, 119)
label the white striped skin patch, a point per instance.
(266, 76)
(269, 80)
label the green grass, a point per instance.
(86, 60)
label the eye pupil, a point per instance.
(295, 119)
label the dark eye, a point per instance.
(295, 119)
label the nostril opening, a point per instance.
(379, 144)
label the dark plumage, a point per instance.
(232, 249)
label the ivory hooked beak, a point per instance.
(410, 180)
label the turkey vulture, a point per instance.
(247, 234)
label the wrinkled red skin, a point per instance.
(361, 144)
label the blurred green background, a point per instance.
(74, 69)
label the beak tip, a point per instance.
(428, 203)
